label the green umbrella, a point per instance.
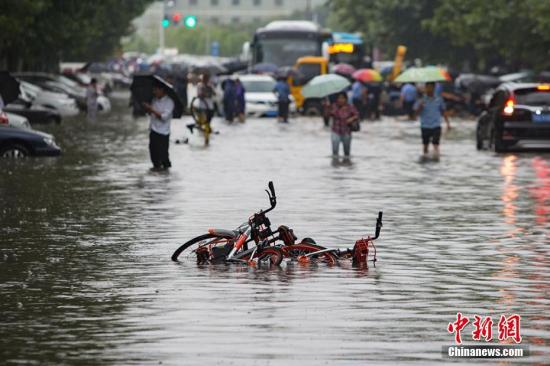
(325, 85)
(423, 75)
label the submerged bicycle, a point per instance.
(255, 240)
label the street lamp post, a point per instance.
(161, 29)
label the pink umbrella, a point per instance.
(344, 69)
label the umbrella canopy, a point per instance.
(428, 74)
(367, 76)
(475, 83)
(325, 85)
(265, 68)
(210, 69)
(9, 87)
(344, 69)
(142, 91)
(286, 71)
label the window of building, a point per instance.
(279, 2)
(257, 2)
(236, 2)
(235, 20)
(192, 2)
(214, 2)
(214, 20)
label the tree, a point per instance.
(37, 34)
(458, 32)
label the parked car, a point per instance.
(59, 102)
(259, 97)
(35, 114)
(19, 143)
(518, 117)
(62, 84)
(17, 121)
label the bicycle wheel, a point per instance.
(200, 248)
(299, 250)
(271, 255)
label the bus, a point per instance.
(283, 42)
(347, 48)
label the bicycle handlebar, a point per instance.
(378, 225)
(272, 197)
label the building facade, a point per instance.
(239, 11)
(222, 11)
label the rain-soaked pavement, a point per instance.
(85, 241)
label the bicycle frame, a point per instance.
(243, 232)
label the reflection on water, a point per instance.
(85, 241)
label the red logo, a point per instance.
(508, 327)
(457, 326)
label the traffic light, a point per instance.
(190, 21)
(176, 18)
(166, 22)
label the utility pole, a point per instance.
(161, 29)
(308, 9)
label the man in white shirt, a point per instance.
(160, 115)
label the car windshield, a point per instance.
(258, 86)
(309, 71)
(284, 52)
(532, 97)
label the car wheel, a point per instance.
(313, 109)
(496, 143)
(14, 151)
(479, 139)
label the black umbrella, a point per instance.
(9, 87)
(142, 92)
(210, 69)
(477, 83)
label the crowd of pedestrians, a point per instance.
(342, 112)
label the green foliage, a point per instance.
(475, 32)
(36, 34)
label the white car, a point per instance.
(259, 97)
(63, 104)
(17, 121)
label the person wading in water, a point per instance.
(160, 117)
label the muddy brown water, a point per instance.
(85, 241)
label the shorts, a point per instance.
(431, 135)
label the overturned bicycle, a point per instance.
(254, 242)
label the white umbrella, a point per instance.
(325, 85)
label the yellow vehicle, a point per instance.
(307, 68)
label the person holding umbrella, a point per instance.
(160, 115)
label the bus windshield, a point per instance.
(285, 52)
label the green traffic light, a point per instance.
(165, 23)
(190, 21)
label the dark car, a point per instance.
(18, 143)
(35, 114)
(518, 117)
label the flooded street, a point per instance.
(86, 239)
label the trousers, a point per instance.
(158, 150)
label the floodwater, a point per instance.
(86, 239)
